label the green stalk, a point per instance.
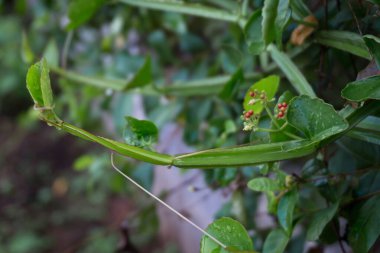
(186, 8)
(245, 155)
(121, 148)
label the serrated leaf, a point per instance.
(363, 89)
(365, 226)
(294, 75)
(315, 118)
(81, 11)
(253, 33)
(285, 211)
(263, 184)
(373, 44)
(229, 232)
(276, 241)
(141, 133)
(350, 42)
(269, 85)
(319, 220)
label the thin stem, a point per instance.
(65, 50)
(296, 137)
(273, 130)
(166, 205)
(271, 115)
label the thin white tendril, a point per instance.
(166, 205)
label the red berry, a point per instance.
(281, 114)
(252, 94)
(279, 106)
(284, 104)
(248, 114)
(282, 109)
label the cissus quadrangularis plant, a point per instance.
(301, 125)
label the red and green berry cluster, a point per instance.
(281, 109)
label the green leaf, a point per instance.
(291, 71)
(81, 11)
(229, 232)
(47, 93)
(285, 211)
(269, 85)
(263, 184)
(141, 133)
(51, 54)
(300, 9)
(33, 79)
(365, 226)
(316, 119)
(350, 42)
(276, 241)
(231, 87)
(253, 33)
(363, 89)
(367, 130)
(269, 18)
(282, 19)
(369, 183)
(373, 44)
(142, 77)
(319, 220)
(26, 52)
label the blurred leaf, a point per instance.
(368, 183)
(365, 226)
(263, 184)
(229, 232)
(373, 44)
(141, 133)
(83, 162)
(299, 9)
(142, 77)
(362, 90)
(269, 85)
(253, 33)
(285, 211)
(316, 119)
(302, 31)
(350, 42)
(276, 241)
(26, 52)
(319, 220)
(291, 71)
(231, 87)
(283, 16)
(81, 11)
(269, 18)
(51, 53)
